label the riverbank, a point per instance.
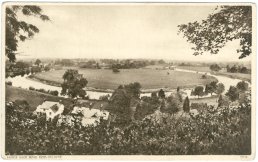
(244, 77)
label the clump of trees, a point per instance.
(115, 70)
(122, 99)
(18, 68)
(64, 62)
(234, 91)
(238, 69)
(214, 87)
(91, 64)
(73, 84)
(215, 67)
(143, 137)
(161, 93)
(198, 91)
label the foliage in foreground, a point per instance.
(227, 23)
(217, 131)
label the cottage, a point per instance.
(50, 108)
(90, 116)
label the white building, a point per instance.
(90, 116)
(50, 108)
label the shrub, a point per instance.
(116, 70)
(32, 88)
(104, 97)
(9, 83)
(204, 134)
(54, 93)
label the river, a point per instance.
(24, 82)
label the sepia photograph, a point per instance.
(138, 79)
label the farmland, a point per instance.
(148, 78)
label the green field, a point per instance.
(246, 77)
(148, 78)
(32, 97)
(35, 98)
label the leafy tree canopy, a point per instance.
(17, 30)
(73, 84)
(227, 23)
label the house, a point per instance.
(90, 116)
(50, 108)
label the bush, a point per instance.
(42, 90)
(205, 134)
(115, 70)
(9, 83)
(104, 97)
(54, 93)
(32, 88)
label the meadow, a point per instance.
(35, 98)
(148, 78)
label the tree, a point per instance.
(214, 86)
(208, 89)
(204, 76)
(46, 68)
(220, 101)
(133, 89)
(186, 105)
(161, 61)
(234, 69)
(242, 86)
(243, 70)
(17, 30)
(227, 23)
(172, 106)
(161, 93)
(215, 67)
(154, 95)
(178, 89)
(121, 100)
(198, 91)
(232, 93)
(37, 62)
(220, 88)
(73, 84)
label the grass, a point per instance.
(209, 100)
(37, 98)
(32, 97)
(245, 77)
(148, 78)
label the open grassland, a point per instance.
(35, 98)
(148, 78)
(32, 97)
(245, 77)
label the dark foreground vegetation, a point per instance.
(217, 131)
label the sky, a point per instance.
(119, 31)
